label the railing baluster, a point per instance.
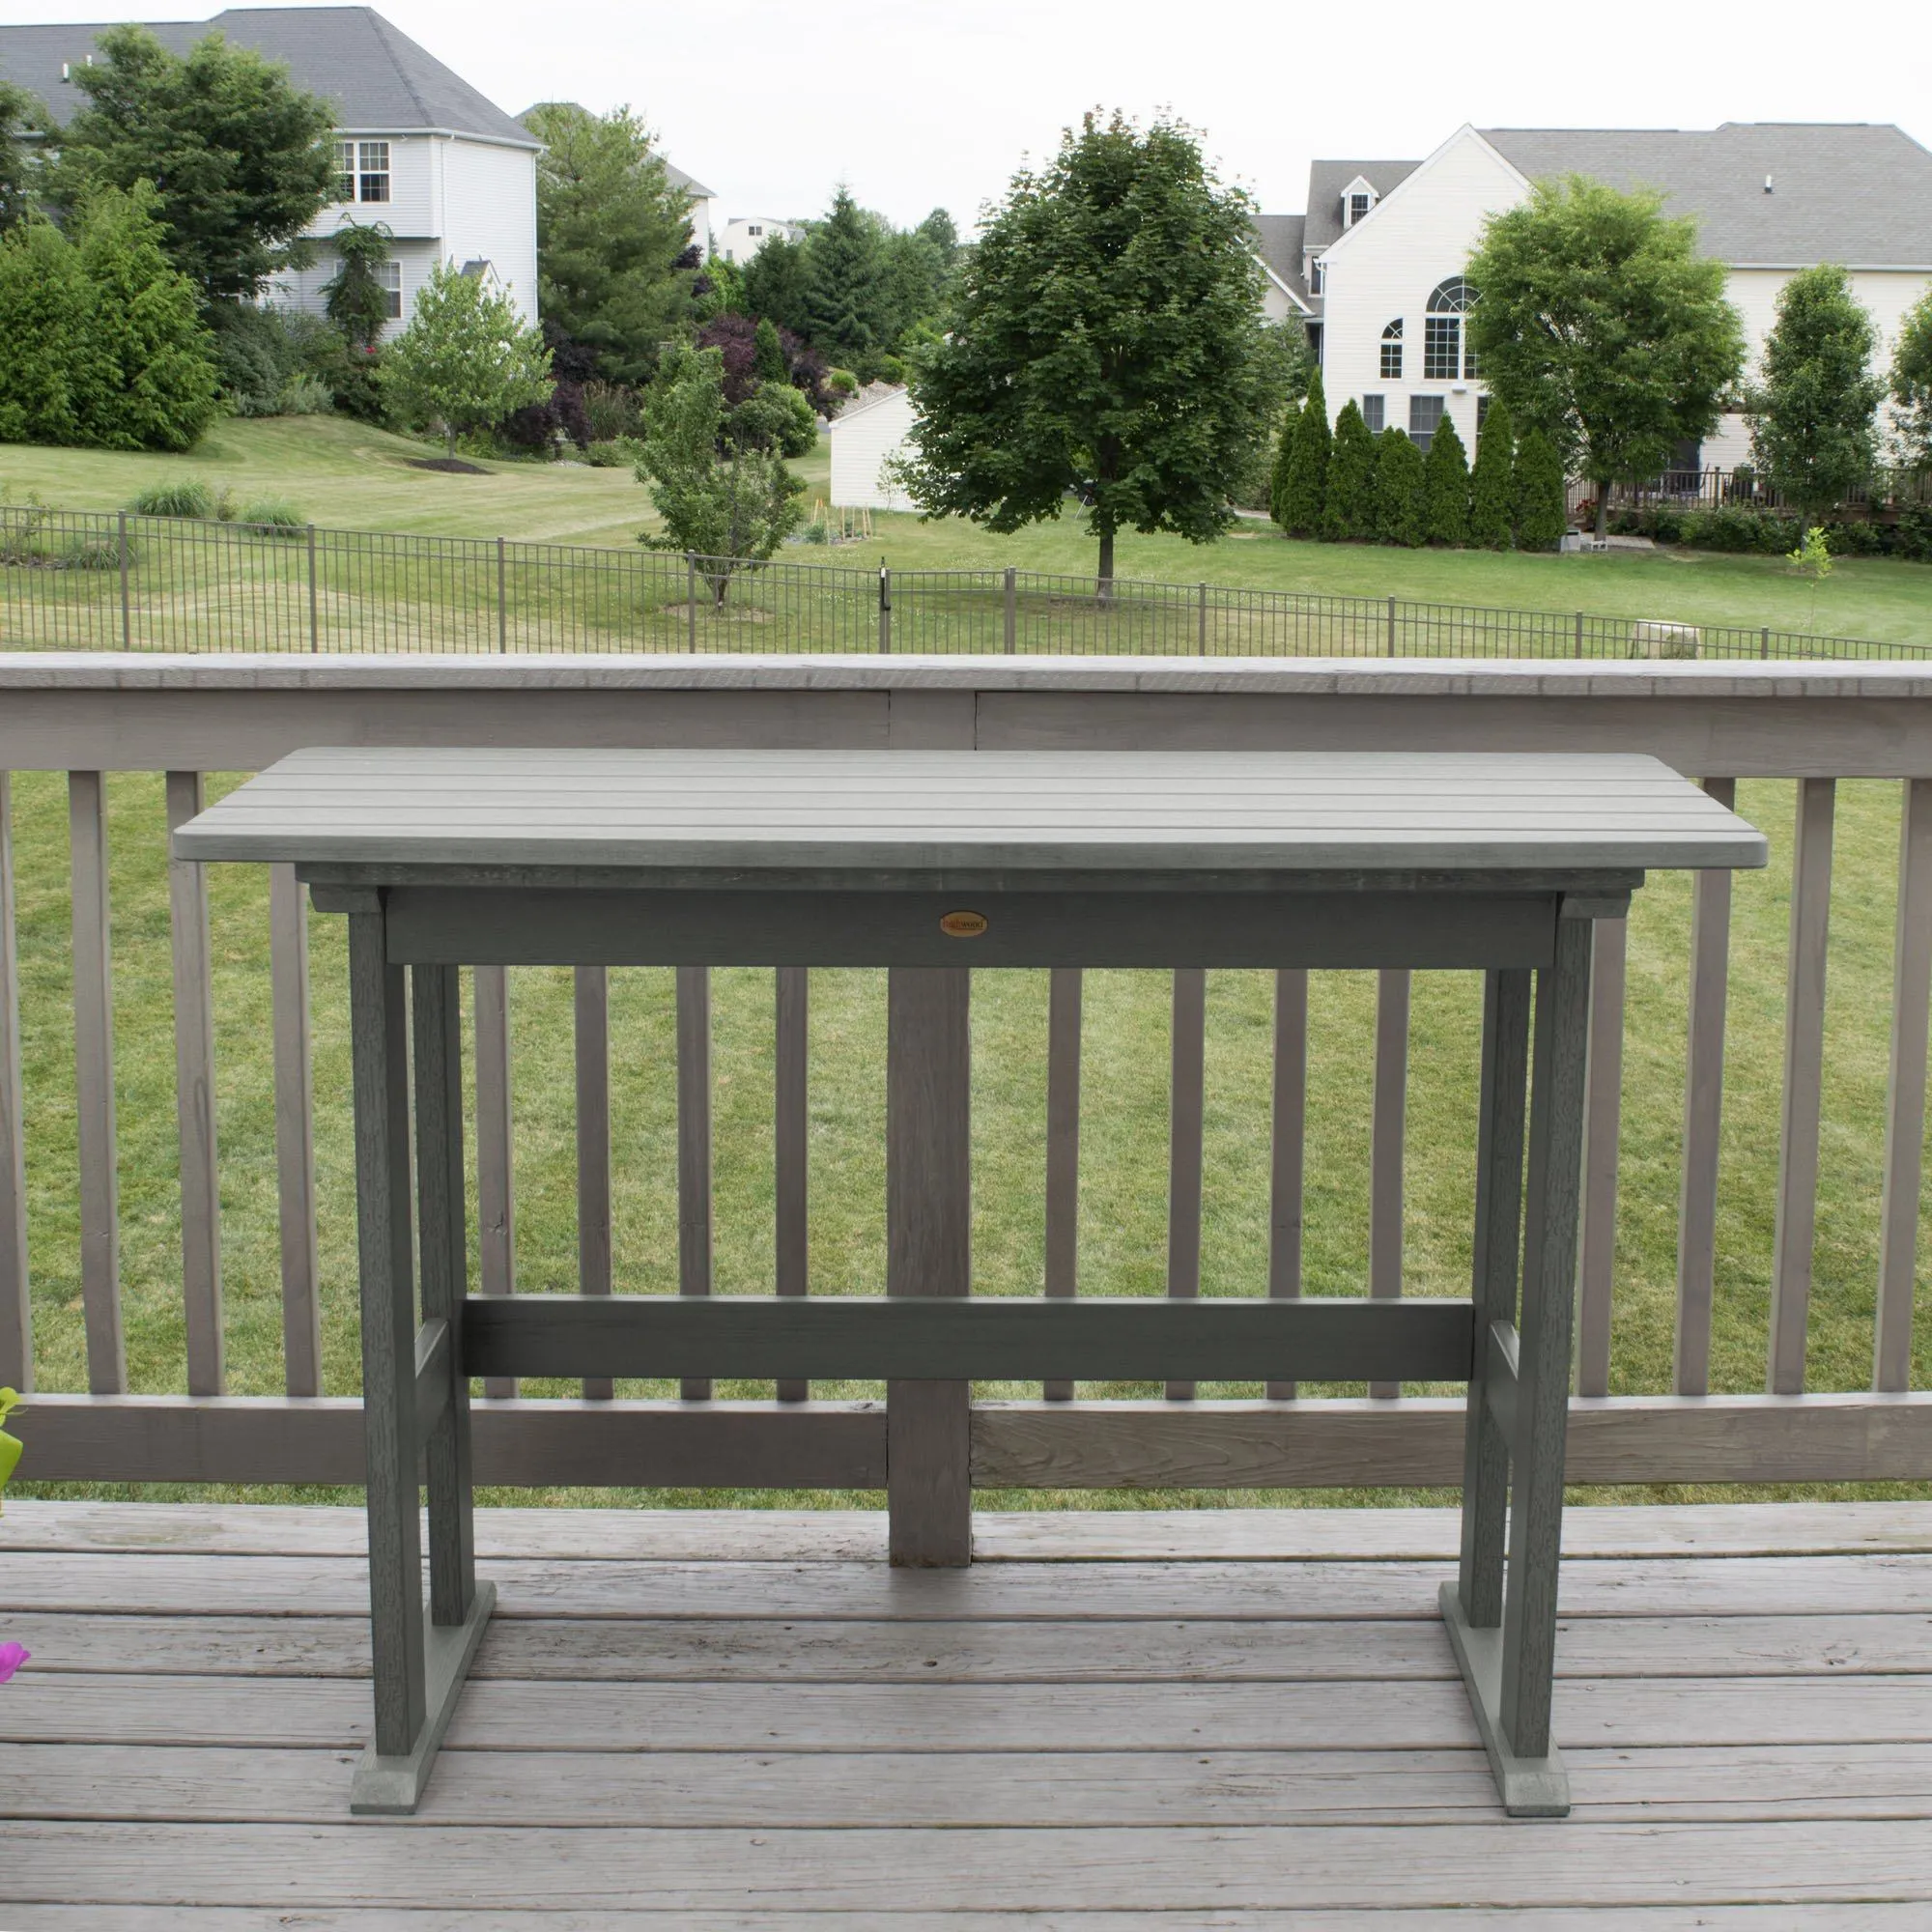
(496, 1186)
(17, 1323)
(592, 991)
(1065, 986)
(1804, 1081)
(1387, 1135)
(1602, 1120)
(1905, 1093)
(1184, 1158)
(295, 1132)
(94, 1086)
(1703, 1112)
(194, 1101)
(791, 1144)
(1290, 1141)
(694, 1146)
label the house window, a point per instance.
(1392, 352)
(345, 171)
(1423, 413)
(389, 277)
(753, 229)
(1482, 412)
(1373, 413)
(372, 171)
(1316, 276)
(1443, 358)
(1358, 206)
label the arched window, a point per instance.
(1392, 352)
(1442, 330)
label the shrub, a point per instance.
(610, 411)
(306, 395)
(273, 515)
(775, 416)
(43, 313)
(1489, 519)
(1445, 487)
(609, 454)
(180, 496)
(1541, 515)
(1398, 479)
(1304, 482)
(841, 382)
(1349, 509)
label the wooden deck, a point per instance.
(710, 1721)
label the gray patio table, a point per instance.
(930, 862)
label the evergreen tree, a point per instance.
(844, 281)
(1445, 487)
(768, 362)
(1812, 419)
(355, 297)
(1399, 480)
(1284, 461)
(21, 115)
(150, 377)
(43, 318)
(1493, 481)
(773, 284)
(1347, 515)
(1306, 485)
(1538, 487)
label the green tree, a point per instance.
(465, 359)
(773, 282)
(717, 500)
(611, 230)
(1445, 487)
(1399, 480)
(1305, 484)
(150, 378)
(355, 297)
(45, 315)
(1601, 325)
(1538, 490)
(768, 353)
(241, 160)
(1493, 481)
(1104, 343)
(845, 285)
(1813, 412)
(21, 115)
(774, 416)
(1912, 384)
(1348, 514)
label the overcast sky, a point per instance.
(923, 104)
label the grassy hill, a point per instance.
(351, 476)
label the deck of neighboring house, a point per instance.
(1219, 1718)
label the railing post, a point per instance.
(1764, 642)
(1905, 1095)
(885, 611)
(496, 1177)
(1601, 1132)
(1290, 1146)
(1012, 610)
(314, 614)
(295, 1132)
(1201, 643)
(690, 602)
(1579, 634)
(694, 1146)
(1185, 1120)
(1065, 986)
(503, 602)
(593, 990)
(1391, 627)
(1387, 1132)
(16, 1328)
(127, 611)
(791, 1145)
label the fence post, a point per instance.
(126, 616)
(1201, 641)
(1012, 609)
(1764, 642)
(1391, 628)
(314, 625)
(689, 601)
(885, 611)
(502, 604)
(1579, 634)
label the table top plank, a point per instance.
(1038, 811)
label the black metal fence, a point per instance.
(85, 581)
(1745, 489)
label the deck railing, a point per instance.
(96, 581)
(91, 717)
(1713, 489)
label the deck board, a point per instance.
(716, 1720)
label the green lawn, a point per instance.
(1125, 1150)
(350, 476)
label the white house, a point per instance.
(704, 204)
(1384, 245)
(416, 148)
(865, 435)
(744, 234)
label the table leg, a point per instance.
(1510, 1672)
(929, 1251)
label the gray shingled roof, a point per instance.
(1278, 240)
(1858, 193)
(1327, 179)
(378, 77)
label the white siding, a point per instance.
(862, 445)
(410, 214)
(490, 214)
(301, 289)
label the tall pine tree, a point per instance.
(1445, 487)
(844, 281)
(1307, 481)
(1398, 490)
(1491, 483)
(1542, 514)
(1348, 511)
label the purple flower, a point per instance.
(12, 1657)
